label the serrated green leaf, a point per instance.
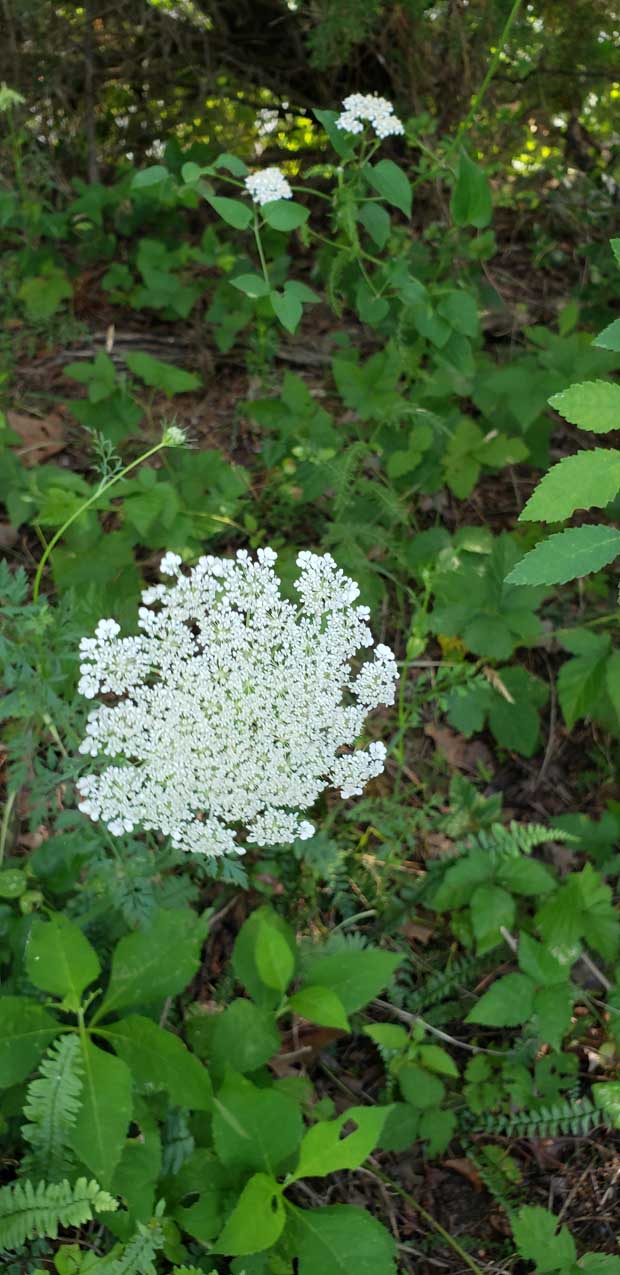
(420, 1088)
(609, 338)
(243, 1032)
(539, 963)
(592, 405)
(538, 1240)
(567, 556)
(507, 1003)
(491, 908)
(586, 480)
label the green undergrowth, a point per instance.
(202, 1063)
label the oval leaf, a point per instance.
(593, 405)
(567, 556)
(60, 959)
(391, 183)
(584, 481)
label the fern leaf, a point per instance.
(52, 1103)
(27, 1211)
(137, 1257)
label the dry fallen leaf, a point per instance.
(43, 436)
(463, 754)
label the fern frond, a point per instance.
(496, 1180)
(518, 838)
(442, 984)
(137, 1257)
(27, 1211)
(572, 1116)
(53, 1100)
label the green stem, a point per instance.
(259, 245)
(428, 1217)
(491, 69)
(6, 819)
(82, 509)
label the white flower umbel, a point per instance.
(236, 707)
(368, 108)
(267, 185)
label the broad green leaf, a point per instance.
(159, 1059)
(243, 1032)
(60, 959)
(98, 1136)
(152, 176)
(491, 908)
(326, 1149)
(231, 163)
(253, 285)
(584, 481)
(437, 1127)
(43, 294)
(434, 1058)
(355, 977)
(287, 308)
(257, 1220)
(567, 556)
(254, 1129)
(401, 1127)
(599, 1264)
(232, 211)
(25, 1033)
(376, 220)
(343, 143)
(340, 1239)
(525, 876)
(538, 1240)
(155, 962)
(582, 908)
(507, 1003)
(244, 954)
(471, 203)
(388, 1035)
(161, 375)
(391, 183)
(580, 682)
(609, 338)
(275, 962)
(282, 214)
(320, 1005)
(553, 1007)
(419, 1087)
(136, 1174)
(593, 405)
(612, 679)
(301, 290)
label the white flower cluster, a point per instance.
(236, 707)
(368, 108)
(267, 121)
(267, 185)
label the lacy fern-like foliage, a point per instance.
(137, 1257)
(27, 1211)
(517, 838)
(52, 1104)
(440, 985)
(572, 1115)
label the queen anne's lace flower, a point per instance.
(236, 707)
(368, 108)
(267, 185)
